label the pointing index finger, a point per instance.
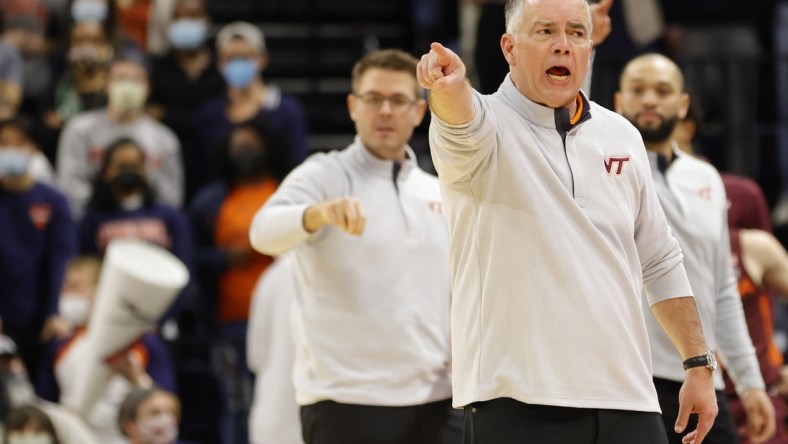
(442, 54)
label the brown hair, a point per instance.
(90, 263)
(19, 418)
(388, 59)
(130, 406)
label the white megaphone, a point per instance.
(138, 282)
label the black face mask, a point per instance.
(128, 181)
(248, 164)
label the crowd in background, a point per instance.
(146, 119)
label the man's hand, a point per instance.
(442, 72)
(56, 327)
(440, 69)
(129, 365)
(760, 415)
(697, 396)
(345, 213)
(782, 385)
(600, 19)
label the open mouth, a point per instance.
(558, 73)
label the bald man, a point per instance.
(693, 198)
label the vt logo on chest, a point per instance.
(614, 165)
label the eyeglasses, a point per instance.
(399, 103)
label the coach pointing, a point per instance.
(555, 230)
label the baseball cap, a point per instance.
(243, 30)
(7, 346)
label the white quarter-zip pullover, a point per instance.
(372, 323)
(553, 239)
(693, 198)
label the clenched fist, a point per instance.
(345, 213)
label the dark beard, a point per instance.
(658, 134)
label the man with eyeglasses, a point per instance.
(371, 252)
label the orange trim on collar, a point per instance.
(579, 112)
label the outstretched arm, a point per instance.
(442, 72)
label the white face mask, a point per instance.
(38, 438)
(14, 162)
(133, 202)
(161, 428)
(127, 95)
(75, 307)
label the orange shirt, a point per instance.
(133, 19)
(232, 229)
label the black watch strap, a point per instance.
(707, 360)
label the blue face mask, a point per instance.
(89, 11)
(239, 73)
(13, 162)
(187, 33)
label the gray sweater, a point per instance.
(86, 136)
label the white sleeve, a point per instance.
(460, 152)
(171, 182)
(73, 173)
(733, 337)
(69, 427)
(257, 339)
(279, 226)
(661, 260)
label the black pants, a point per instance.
(723, 431)
(506, 421)
(329, 422)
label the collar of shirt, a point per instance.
(660, 162)
(540, 114)
(377, 166)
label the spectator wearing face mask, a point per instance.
(20, 131)
(36, 240)
(123, 204)
(150, 416)
(29, 425)
(146, 362)
(79, 290)
(86, 136)
(242, 58)
(184, 79)
(16, 394)
(24, 27)
(105, 14)
(228, 267)
(84, 86)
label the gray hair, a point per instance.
(515, 10)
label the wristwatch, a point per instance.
(708, 360)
